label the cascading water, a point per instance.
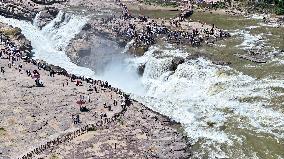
(202, 96)
(205, 99)
(50, 42)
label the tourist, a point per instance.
(51, 73)
(9, 64)
(2, 70)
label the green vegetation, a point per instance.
(164, 14)
(217, 5)
(262, 6)
(279, 7)
(223, 21)
(164, 3)
(276, 6)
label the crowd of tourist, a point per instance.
(11, 52)
(15, 56)
(145, 31)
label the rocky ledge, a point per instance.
(28, 9)
(23, 45)
(141, 32)
(38, 122)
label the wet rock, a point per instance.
(256, 58)
(80, 47)
(26, 47)
(175, 62)
(87, 27)
(193, 56)
(138, 50)
(57, 69)
(141, 69)
(84, 52)
(13, 10)
(222, 128)
(186, 13)
(211, 124)
(46, 15)
(197, 55)
(48, 2)
(223, 63)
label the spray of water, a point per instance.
(204, 97)
(50, 42)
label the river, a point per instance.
(225, 112)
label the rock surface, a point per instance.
(28, 9)
(34, 118)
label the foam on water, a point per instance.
(128, 45)
(250, 41)
(199, 92)
(50, 42)
(36, 20)
(271, 24)
(257, 16)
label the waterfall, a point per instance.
(128, 45)
(49, 43)
(199, 93)
(37, 19)
(203, 97)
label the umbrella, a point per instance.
(80, 102)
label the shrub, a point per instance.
(279, 11)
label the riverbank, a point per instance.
(36, 119)
(231, 111)
(126, 25)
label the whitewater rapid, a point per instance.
(203, 97)
(49, 43)
(199, 92)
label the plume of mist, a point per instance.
(110, 61)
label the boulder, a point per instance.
(223, 63)
(175, 62)
(141, 69)
(46, 15)
(87, 27)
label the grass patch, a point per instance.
(223, 21)
(161, 3)
(163, 14)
